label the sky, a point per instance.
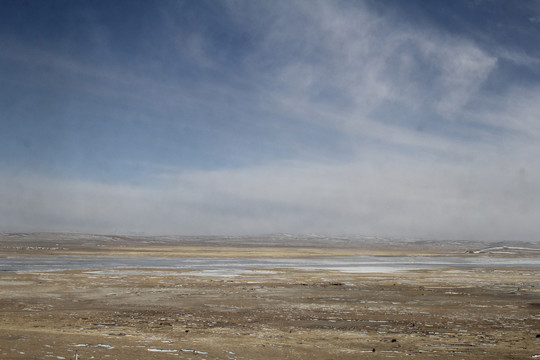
(390, 118)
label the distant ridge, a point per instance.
(276, 240)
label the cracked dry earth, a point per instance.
(281, 314)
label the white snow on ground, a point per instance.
(162, 350)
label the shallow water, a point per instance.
(235, 265)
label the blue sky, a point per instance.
(393, 118)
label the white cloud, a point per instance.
(391, 196)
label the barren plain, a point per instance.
(284, 313)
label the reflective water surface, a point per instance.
(228, 265)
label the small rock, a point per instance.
(394, 340)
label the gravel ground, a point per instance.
(270, 314)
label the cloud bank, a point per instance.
(393, 197)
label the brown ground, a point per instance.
(283, 314)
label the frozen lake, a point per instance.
(228, 266)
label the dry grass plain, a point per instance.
(279, 314)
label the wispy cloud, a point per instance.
(326, 53)
(333, 67)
